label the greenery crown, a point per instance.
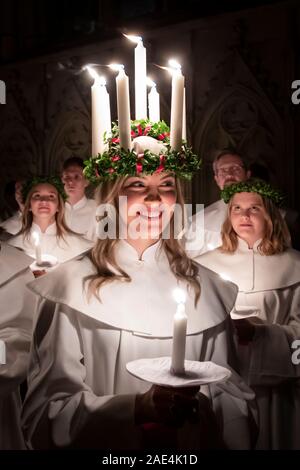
(116, 161)
(53, 180)
(253, 185)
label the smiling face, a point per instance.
(150, 204)
(248, 217)
(44, 202)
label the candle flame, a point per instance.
(99, 79)
(92, 72)
(225, 277)
(132, 38)
(179, 295)
(174, 64)
(150, 82)
(116, 67)
(36, 238)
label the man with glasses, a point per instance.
(79, 210)
(228, 168)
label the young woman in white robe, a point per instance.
(43, 216)
(103, 310)
(255, 255)
(17, 306)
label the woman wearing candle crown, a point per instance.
(43, 217)
(115, 305)
(255, 254)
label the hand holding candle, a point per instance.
(38, 251)
(179, 333)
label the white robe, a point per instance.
(13, 224)
(17, 306)
(63, 249)
(80, 217)
(78, 383)
(269, 288)
(199, 238)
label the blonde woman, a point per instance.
(256, 255)
(43, 216)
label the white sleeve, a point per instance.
(17, 311)
(271, 349)
(60, 409)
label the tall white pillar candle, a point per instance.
(153, 100)
(140, 77)
(184, 117)
(176, 108)
(123, 104)
(140, 85)
(101, 117)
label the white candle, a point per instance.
(140, 74)
(123, 104)
(153, 100)
(184, 117)
(101, 118)
(38, 250)
(179, 333)
(176, 106)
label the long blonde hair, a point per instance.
(27, 217)
(276, 238)
(103, 253)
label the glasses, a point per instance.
(230, 170)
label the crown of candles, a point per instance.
(144, 145)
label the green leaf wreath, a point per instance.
(253, 185)
(116, 161)
(34, 181)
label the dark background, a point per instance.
(239, 59)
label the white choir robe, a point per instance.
(270, 286)
(78, 383)
(17, 307)
(63, 248)
(13, 224)
(209, 236)
(80, 217)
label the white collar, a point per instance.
(51, 230)
(126, 253)
(217, 298)
(243, 245)
(81, 203)
(12, 262)
(252, 271)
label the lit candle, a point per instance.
(140, 73)
(184, 117)
(179, 333)
(101, 118)
(123, 104)
(38, 251)
(176, 106)
(153, 100)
